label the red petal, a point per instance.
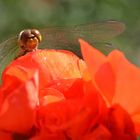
(69, 87)
(18, 101)
(89, 115)
(127, 85)
(127, 82)
(119, 124)
(100, 70)
(136, 120)
(100, 133)
(52, 65)
(50, 95)
(5, 136)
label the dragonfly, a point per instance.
(96, 33)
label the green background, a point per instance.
(16, 15)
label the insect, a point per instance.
(28, 41)
(60, 38)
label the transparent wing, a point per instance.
(8, 51)
(67, 38)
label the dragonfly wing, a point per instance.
(8, 51)
(68, 36)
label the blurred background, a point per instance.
(16, 15)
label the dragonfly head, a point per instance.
(29, 39)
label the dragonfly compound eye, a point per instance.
(37, 34)
(29, 39)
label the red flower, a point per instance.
(20, 82)
(116, 78)
(76, 99)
